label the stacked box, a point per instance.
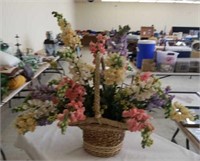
(195, 54)
(194, 65)
(182, 65)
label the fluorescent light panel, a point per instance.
(156, 1)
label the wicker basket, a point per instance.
(102, 140)
(101, 137)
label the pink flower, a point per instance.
(101, 38)
(93, 48)
(65, 111)
(79, 89)
(145, 76)
(62, 82)
(101, 48)
(60, 117)
(77, 115)
(134, 112)
(137, 119)
(134, 125)
(76, 92)
(80, 114)
(142, 116)
(75, 104)
(73, 117)
(130, 113)
(71, 94)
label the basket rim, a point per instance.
(100, 121)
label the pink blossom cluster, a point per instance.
(145, 76)
(73, 93)
(137, 119)
(99, 46)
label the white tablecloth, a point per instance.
(47, 143)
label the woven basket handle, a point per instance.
(96, 86)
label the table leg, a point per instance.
(3, 154)
(9, 104)
(61, 67)
(39, 79)
(187, 144)
(173, 137)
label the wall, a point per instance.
(105, 16)
(30, 19)
(1, 20)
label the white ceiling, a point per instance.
(147, 1)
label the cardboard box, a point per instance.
(195, 65)
(195, 54)
(148, 65)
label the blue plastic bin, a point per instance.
(146, 50)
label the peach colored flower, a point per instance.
(137, 119)
(60, 117)
(75, 104)
(93, 48)
(77, 115)
(101, 38)
(66, 111)
(101, 48)
(145, 76)
(134, 125)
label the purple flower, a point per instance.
(43, 122)
(159, 101)
(167, 89)
(43, 92)
(118, 43)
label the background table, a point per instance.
(47, 143)
(192, 101)
(12, 93)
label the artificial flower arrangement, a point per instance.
(96, 91)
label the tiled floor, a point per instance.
(164, 127)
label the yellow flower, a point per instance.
(25, 122)
(30, 121)
(114, 76)
(21, 123)
(180, 112)
(114, 60)
(68, 36)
